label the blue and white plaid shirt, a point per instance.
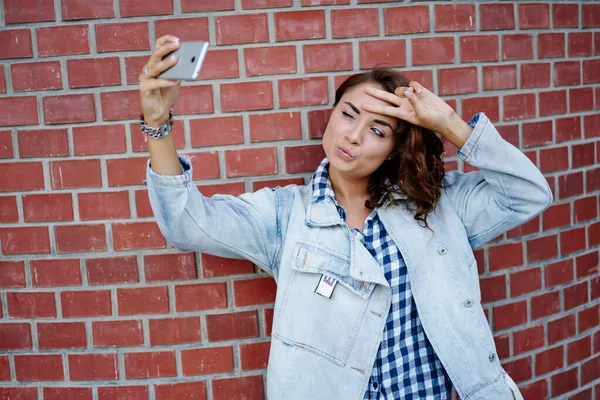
(406, 367)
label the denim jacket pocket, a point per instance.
(325, 326)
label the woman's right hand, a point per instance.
(158, 95)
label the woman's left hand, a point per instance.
(418, 106)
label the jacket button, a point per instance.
(492, 357)
(468, 303)
(442, 251)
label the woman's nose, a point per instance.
(353, 135)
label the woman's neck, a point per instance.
(347, 190)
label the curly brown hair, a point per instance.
(416, 168)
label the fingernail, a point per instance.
(408, 94)
(176, 40)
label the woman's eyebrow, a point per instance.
(383, 123)
(353, 107)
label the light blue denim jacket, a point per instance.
(325, 348)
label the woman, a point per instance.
(378, 293)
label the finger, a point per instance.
(154, 84)
(404, 111)
(154, 70)
(382, 95)
(415, 101)
(418, 88)
(165, 39)
(162, 51)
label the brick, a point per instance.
(47, 207)
(218, 64)
(61, 335)
(268, 320)
(213, 266)
(120, 105)
(15, 43)
(234, 189)
(217, 131)
(246, 96)
(590, 369)
(299, 25)
(300, 159)
(556, 216)
(86, 303)
(206, 5)
(591, 15)
(564, 382)
(20, 393)
(303, 92)
(111, 270)
(565, 15)
(589, 318)
(15, 336)
(137, 235)
(587, 264)
(508, 315)
(12, 274)
(579, 350)
(454, 17)
(317, 122)
(579, 44)
(135, 8)
(94, 72)
(551, 45)
(527, 281)
(542, 248)
(591, 71)
(188, 102)
(327, 57)
(227, 388)
(126, 171)
(594, 234)
(117, 333)
(39, 367)
(534, 16)
(553, 102)
(80, 238)
(499, 77)
(36, 76)
(231, 326)
(581, 99)
(519, 106)
(2, 90)
(203, 296)
(69, 108)
(174, 331)
(520, 370)
(554, 159)
(478, 48)
(528, 339)
(496, 16)
(254, 291)
(377, 52)
(75, 174)
(123, 393)
(254, 355)
(43, 143)
(505, 256)
(8, 209)
(205, 165)
(4, 369)
(549, 360)
(325, 2)
(257, 185)
(148, 300)
(457, 80)
(17, 13)
(275, 126)
(575, 295)
(572, 240)
(170, 267)
(585, 209)
(90, 9)
(67, 393)
(438, 50)
(407, 19)
(517, 46)
(238, 29)
(6, 146)
(86, 367)
(103, 205)
(270, 60)
(561, 329)
(18, 111)
(568, 129)
(62, 40)
(567, 73)
(253, 4)
(242, 162)
(535, 75)
(209, 360)
(592, 180)
(570, 185)
(150, 364)
(187, 390)
(122, 36)
(536, 133)
(25, 240)
(186, 29)
(357, 22)
(58, 272)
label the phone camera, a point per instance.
(193, 59)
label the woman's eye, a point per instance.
(378, 132)
(347, 114)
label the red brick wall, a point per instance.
(95, 304)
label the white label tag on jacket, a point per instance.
(326, 286)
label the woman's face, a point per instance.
(355, 141)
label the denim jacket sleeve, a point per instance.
(222, 225)
(507, 191)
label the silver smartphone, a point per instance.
(190, 58)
